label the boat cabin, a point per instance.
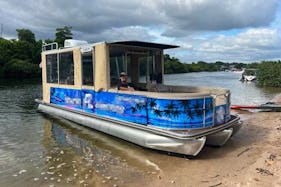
(84, 77)
(98, 66)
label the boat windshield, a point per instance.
(142, 65)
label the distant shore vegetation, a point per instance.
(21, 58)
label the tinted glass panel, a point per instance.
(66, 68)
(52, 68)
(88, 68)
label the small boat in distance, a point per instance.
(236, 70)
(80, 84)
(249, 75)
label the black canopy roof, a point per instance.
(145, 44)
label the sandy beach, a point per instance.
(251, 158)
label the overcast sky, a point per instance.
(208, 30)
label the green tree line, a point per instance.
(269, 73)
(21, 58)
(173, 65)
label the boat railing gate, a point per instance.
(49, 46)
(215, 96)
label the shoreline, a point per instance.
(251, 158)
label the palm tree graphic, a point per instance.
(152, 103)
(153, 106)
(198, 108)
(187, 109)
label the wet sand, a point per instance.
(251, 158)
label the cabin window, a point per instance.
(52, 68)
(66, 68)
(117, 65)
(145, 68)
(88, 69)
(150, 67)
(142, 65)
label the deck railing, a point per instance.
(49, 46)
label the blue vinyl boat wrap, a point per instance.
(142, 110)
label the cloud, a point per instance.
(250, 45)
(177, 17)
(124, 33)
(204, 28)
(216, 15)
(86, 17)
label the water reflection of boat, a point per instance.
(77, 152)
(94, 144)
(79, 84)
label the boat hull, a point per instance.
(153, 139)
(219, 138)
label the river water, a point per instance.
(39, 150)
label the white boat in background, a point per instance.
(249, 75)
(80, 84)
(237, 70)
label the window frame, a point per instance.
(47, 68)
(68, 75)
(92, 53)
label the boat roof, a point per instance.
(131, 43)
(145, 44)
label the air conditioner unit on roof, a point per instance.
(72, 43)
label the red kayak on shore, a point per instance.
(242, 107)
(270, 106)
